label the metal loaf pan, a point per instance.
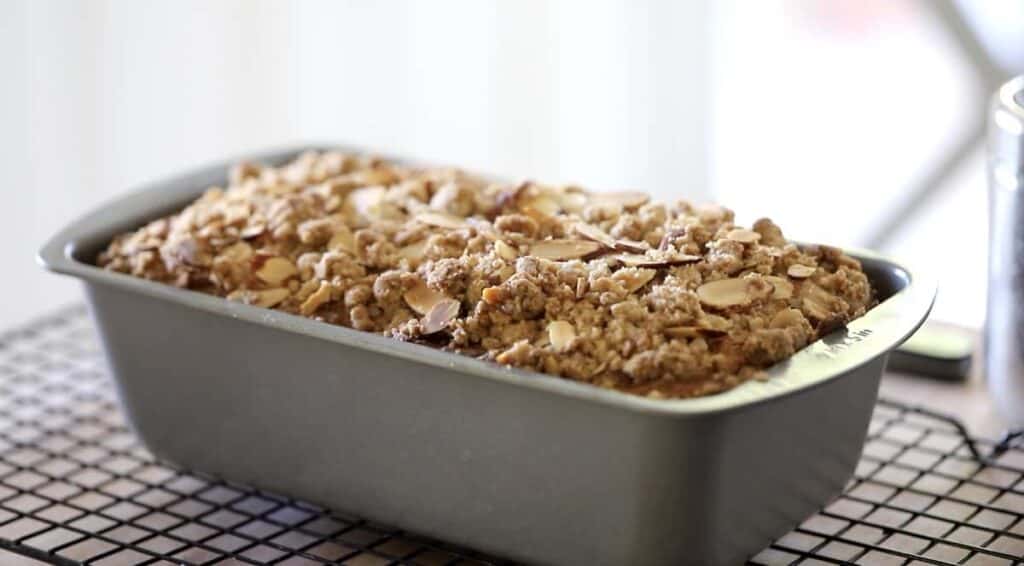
(515, 463)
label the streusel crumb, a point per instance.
(666, 300)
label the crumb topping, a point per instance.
(666, 300)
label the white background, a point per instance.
(817, 114)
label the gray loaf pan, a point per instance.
(514, 463)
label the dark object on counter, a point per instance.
(520, 464)
(937, 352)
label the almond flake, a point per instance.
(625, 199)
(783, 288)
(253, 230)
(238, 252)
(276, 270)
(571, 200)
(544, 205)
(724, 293)
(561, 334)
(631, 246)
(661, 260)
(815, 302)
(743, 236)
(318, 298)
(798, 271)
(269, 297)
(558, 250)
(595, 234)
(636, 280)
(441, 220)
(444, 196)
(367, 201)
(440, 316)
(694, 331)
(237, 212)
(682, 332)
(506, 251)
(342, 240)
(413, 252)
(422, 298)
(815, 308)
(786, 318)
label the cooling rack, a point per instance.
(77, 488)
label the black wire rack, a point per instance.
(77, 488)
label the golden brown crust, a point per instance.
(664, 300)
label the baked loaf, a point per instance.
(663, 300)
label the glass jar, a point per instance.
(1004, 326)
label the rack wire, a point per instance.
(77, 488)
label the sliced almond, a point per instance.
(482, 227)
(445, 195)
(269, 297)
(634, 280)
(662, 259)
(595, 234)
(631, 246)
(572, 200)
(253, 230)
(276, 270)
(705, 328)
(544, 205)
(375, 176)
(441, 220)
(509, 196)
(724, 293)
(783, 287)
(581, 287)
(561, 334)
(743, 236)
(559, 250)
(342, 240)
(303, 291)
(336, 187)
(798, 271)
(422, 298)
(786, 318)
(367, 201)
(815, 302)
(237, 212)
(815, 309)
(237, 252)
(413, 252)
(318, 298)
(440, 316)
(333, 203)
(625, 199)
(682, 332)
(506, 251)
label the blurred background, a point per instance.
(856, 123)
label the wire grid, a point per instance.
(76, 487)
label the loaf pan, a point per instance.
(514, 463)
